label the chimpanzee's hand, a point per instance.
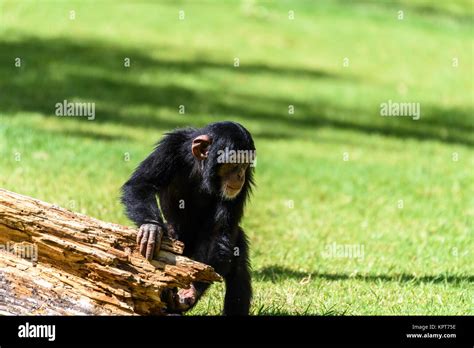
(148, 237)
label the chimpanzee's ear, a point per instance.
(200, 147)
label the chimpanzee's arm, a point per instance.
(152, 175)
(139, 192)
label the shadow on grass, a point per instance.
(149, 93)
(277, 273)
(86, 134)
(424, 8)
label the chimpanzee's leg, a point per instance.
(238, 282)
(233, 264)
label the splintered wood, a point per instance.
(56, 262)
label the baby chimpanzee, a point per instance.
(203, 178)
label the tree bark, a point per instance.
(56, 262)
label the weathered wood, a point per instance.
(83, 266)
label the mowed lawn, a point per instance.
(334, 173)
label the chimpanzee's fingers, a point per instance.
(150, 247)
(144, 242)
(159, 236)
(139, 235)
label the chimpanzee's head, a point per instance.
(226, 155)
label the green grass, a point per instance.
(417, 259)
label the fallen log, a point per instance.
(57, 262)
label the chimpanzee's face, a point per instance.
(232, 176)
(224, 154)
